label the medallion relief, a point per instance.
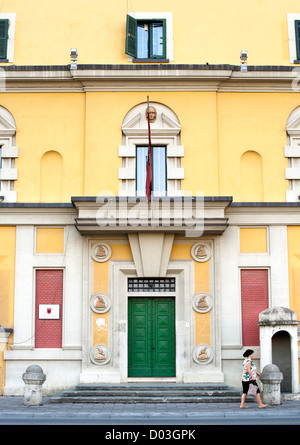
(100, 303)
(202, 302)
(101, 252)
(203, 354)
(100, 355)
(201, 252)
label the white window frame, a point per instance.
(168, 16)
(175, 173)
(9, 152)
(135, 133)
(291, 18)
(292, 153)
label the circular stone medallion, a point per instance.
(100, 355)
(202, 303)
(201, 252)
(101, 252)
(100, 303)
(203, 354)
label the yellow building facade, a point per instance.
(96, 283)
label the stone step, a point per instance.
(148, 393)
(157, 399)
(151, 386)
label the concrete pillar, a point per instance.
(271, 378)
(33, 379)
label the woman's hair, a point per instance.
(248, 352)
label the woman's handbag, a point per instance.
(252, 390)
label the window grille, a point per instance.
(151, 285)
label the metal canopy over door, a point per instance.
(151, 337)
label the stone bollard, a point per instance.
(271, 378)
(33, 378)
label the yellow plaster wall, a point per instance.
(100, 274)
(204, 32)
(51, 177)
(105, 113)
(49, 240)
(68, 143)
(202, 272)
(253, 122)
(251, 177)
(202, 321)
(253, 240)
(7, 280)
(48, 123)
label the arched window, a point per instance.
(166, 152)
(8, 153)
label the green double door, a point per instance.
(151, 337)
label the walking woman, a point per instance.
(249, 376)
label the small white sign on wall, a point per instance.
(49, 311)
(101, 324)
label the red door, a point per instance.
(254, 290)
(48, 309)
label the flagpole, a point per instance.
(149, 158)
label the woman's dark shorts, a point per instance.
(246, 386)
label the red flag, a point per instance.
(149, 162)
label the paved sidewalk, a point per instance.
(14, 412)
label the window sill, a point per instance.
(4, 60)
(150, 60)
(296, 61)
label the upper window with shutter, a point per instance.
(131, 36)
(3, 39)
(294, 37)
(297, 36)
(7, 36)
(0, 163)
(149, 37)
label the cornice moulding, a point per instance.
(98, 215)
(263, 213)
(223, 78)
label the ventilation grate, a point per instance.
(151, 285)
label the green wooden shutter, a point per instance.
(3, 38)
(0, 164)
(297, 35)
(131, 36)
